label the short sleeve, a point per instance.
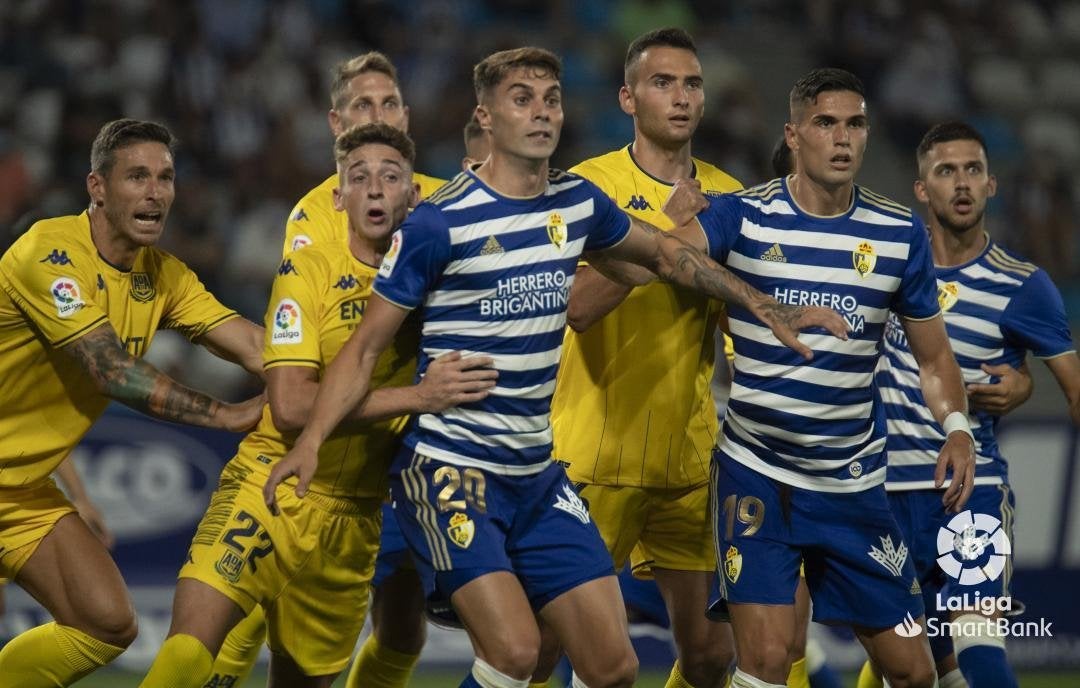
(1035, 318)
(721, 223)
(190, 309)
(419, 252)
(53, 285)
(610, 224)
(293, 315)
(916, 299)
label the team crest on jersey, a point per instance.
(67, 296)
(142, 287)
(389, 259)
(288, 328)
(230, 565)
(461, 530)
(556, 230)
(864, 259)
(732, 564)
(572, 504)
(948, 294)
(300, 241)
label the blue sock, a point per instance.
(825, 677)
(470, 682)
(986, 665)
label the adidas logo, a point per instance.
(774, 254)
(491, 246)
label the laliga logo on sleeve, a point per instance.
(390, 257)
(66, 296)
(973, 549)
(287, 326)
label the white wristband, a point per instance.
(957, 421)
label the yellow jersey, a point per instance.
(314, 219)
(632, 401)
(317, 300)
(55, 288)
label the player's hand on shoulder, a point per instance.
(244, 415)
(787, 321)
(957, 454)
(1012, 389)
(301, 461)
(452, 380)
(684, 201)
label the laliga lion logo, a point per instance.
(968, 540)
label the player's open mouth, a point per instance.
(963, 204)
(376, 215)
(149, 218)
(843, 161)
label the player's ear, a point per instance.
(414, 195)
(789, 137)
(626, 100)
(405, 120)
(991, 187)
(483, 117)
(95, 186)
(339, 200)
(920, 191)
(334, 120)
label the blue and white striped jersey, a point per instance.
(817, 425)
(997, 308)
(492, 275)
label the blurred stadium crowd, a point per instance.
(244, 85)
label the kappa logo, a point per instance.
(67, 296)
(864, 258)
(774, 255)
(142, 287)
(100, 281)
(948, 294)
(57, 258)
(890, 556)
(638, 202)
(346, 282)
(461, 530)
(556, 230)
(572, 504)
(299, 215)
(287, 268)
(288, 328)
(491, 247)
(732, 564)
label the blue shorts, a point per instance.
(463, 523)
(393, 550)
(857, 567)
(976, 571)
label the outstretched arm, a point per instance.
(238, 340)
(139, 385)
(1066, 368)
(943, 389)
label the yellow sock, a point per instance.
(182, 662)
(797, 676)
(675, 679)
(239, 652)
(376, 666)
(541, 684)
(868, 678)
(52, 655)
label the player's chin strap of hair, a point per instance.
(957, 420)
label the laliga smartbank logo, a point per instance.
(973, 549)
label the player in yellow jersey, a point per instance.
(309, 565)
(365, 89)
(80, 300)
(633, 413)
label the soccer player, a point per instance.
(80, 300)
(310, 567)
(364, 90)
(633, 412)
(492, 523)
(799, 469)
(997, 307)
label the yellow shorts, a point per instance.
(654, 527)
(27, 515)
(310, 567)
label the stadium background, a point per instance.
(244, 85)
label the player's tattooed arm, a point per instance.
(139, 385)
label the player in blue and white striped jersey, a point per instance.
(492, 522)
(997, 308)
(799, 470)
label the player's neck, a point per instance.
(951, 248)
(367, 251)
(666, 164)
(819, 199)
(114, 248)
(514, 176)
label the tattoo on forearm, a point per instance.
(135, 383)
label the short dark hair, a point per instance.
(490, 71)
(943, 133)
(377, 132)
(473, 130)
(121, 133)
(783, 161)
(671, 37)
(822, 80)
(344, 72)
